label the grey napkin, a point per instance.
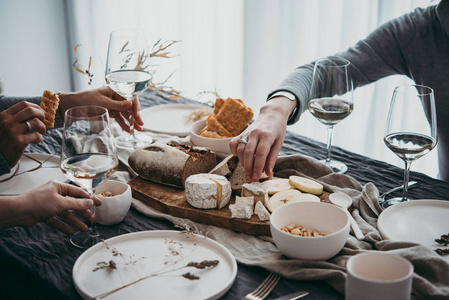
(431, 277)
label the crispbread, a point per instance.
(49, 104)
(211, 134)
(213, 125)
(234, 116)
(217, 106)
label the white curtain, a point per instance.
(243, 49)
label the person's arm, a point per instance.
(51, 204)
(381, 54)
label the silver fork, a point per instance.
(264, 288)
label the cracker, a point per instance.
(217, 106)
(234, 116)
(211, 134)
(213, 125)
(49, 104)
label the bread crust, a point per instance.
(171, 164)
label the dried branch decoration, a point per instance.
(79, 68)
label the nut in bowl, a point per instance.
(218, 145)
(116, 197)
(328, 219)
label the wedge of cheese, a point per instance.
(257, 190)
(207, 191)
(261, 212)
(241, 211)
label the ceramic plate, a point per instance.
(26, 179)
(418, 221)
(162, 253)
(169, 119)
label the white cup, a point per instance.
(113, 209)
(378, 275)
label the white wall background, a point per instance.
(241, 48)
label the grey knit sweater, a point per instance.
(6, 102)
(415, 45)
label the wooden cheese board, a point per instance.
(172, 201)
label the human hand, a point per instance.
(118, 107)
(52, 203)
(265, 137)
(14, 132)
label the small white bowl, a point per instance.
(323, 217)
(113, 209)
(216, 145)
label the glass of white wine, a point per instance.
(411, 130)
(331, 99)
(128, 75)
(88, 155)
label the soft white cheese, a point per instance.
(207, 191)
(262, 212)
(257, 190)
(241, 211)
(245, 200)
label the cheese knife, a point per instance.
(293, 296)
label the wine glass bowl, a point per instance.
(88, 155)
(411, 129)
(127, 73)
(331, 99)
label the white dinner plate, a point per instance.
(417, 221)
(26, 180)
(170, 119)
(149, 252)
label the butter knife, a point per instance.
(293, 296)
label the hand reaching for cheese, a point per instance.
(265, 137)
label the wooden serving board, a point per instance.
(172, 201)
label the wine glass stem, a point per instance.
(93, 231)
(406, 177)
(329, 143)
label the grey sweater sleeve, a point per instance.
(379, 55)
(7, 102)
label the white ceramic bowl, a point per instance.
(216, 145)
(113, 209)
(323, 217)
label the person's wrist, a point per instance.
(285, 95)
(282, 107)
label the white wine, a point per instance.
(409, 146)
(88, 169)
(330, 111)
(128, 83)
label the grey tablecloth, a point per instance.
(36, 262)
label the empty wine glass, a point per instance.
(331, 99)
(411, 130)
(128, 75)
(88, 155)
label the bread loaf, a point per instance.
(171, 164)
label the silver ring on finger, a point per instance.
(243, 141)
(28, 125)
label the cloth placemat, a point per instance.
(430, 279)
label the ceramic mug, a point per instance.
(378, 275)
(114, 208)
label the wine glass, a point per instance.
(127, 74)
(88, 155)
(411, 130)
(331, 99)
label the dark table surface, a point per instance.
(37, 262)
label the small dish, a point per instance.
(321, 216)
(114, 208)
(216, 145)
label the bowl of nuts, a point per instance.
(116, 197)
(309, 230)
